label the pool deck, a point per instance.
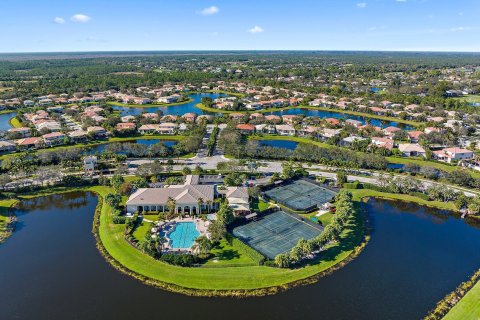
(201, 226)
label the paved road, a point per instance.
(364, 176)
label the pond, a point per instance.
(4, 120)
(284, 144)
(51, 269)
(337, 115)
(175, 109)
(148, 142)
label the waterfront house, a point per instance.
(285, 130)
(20, 132)
(7, 146)
(411, 150)
(53, 139)
(246, 128)
(29, 143)
(125, 126)
(453, 154)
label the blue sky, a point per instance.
(68, 25)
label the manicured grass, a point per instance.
(433, 164)
(360, 194)
(259, 205)
(468, 307)
(15, 123)
(150, 105)
(141, 230)
(227, 278)
(470, 98)
(5, 205)
(225, 255)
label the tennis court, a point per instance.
(276, 233)
(300, 195)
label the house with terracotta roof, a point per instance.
(29, 143)
(453, 154)
(289, 118)
(125, 126)
(273, 119)
(390, 131)
(189, 117)
(383, 142)
(246, 128)
(332, 121)
(414, 136)
(53, 139)
(148, 128)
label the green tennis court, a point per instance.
(276, 233)
(300, 195)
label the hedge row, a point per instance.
(246, 250)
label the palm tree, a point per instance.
(203, 245)
(209, 204)
(171, 204)
(200, 204)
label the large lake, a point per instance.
(4, 120)
(51, 269)
(175, 109)
(197, 98)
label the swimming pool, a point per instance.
(183, 235)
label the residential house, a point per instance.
(7, 146)
(246, 128)
(29, 143)
(53, 139)
(453, 154)
(125, 126)
(20, 132)
(98, 131)
(383, 142)
(285, 130)
(411, 150)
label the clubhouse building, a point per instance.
(190, 198)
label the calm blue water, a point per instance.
(285, 144)
(175, 110)
(337, 115)
(395, 166)
(4, 118)
(183, 235)
(148, 142)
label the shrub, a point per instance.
(353, 185)
(183, 260)
(119, 219)
(246, 250)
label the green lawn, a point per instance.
(225, 255)
(227, 278)
(15, 123)
(5, 205)
(468, 307)
(360, 194)
(259, 205)
(472, 98)
(141, 230)
(433, 164)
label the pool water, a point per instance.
(183, 235)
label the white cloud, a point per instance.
(209, 11)
(401, 0)
(256, 30)
(80, 18)
(59, 20)
(459, 29)
(362, 5)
